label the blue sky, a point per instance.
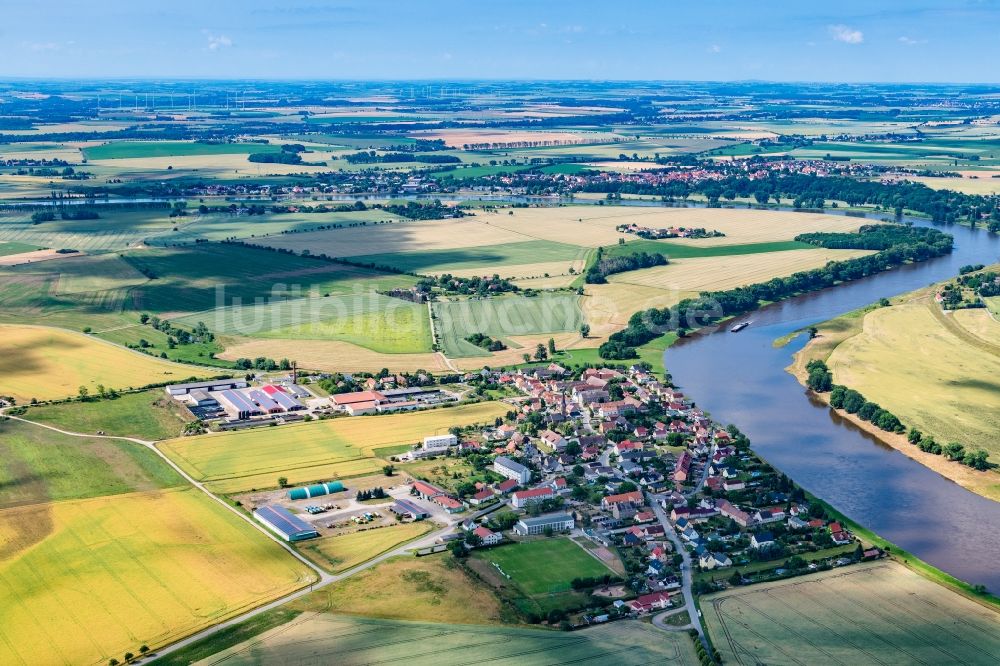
(784, 40)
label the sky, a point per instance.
(717, 40)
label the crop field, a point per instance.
(457, 138)
(114, 230)
(518, 345)
(503, 317)
(545, 566)
(340, 553)
(309, 451)
(42, 466)
(483, 260)
(147, 415)
(12, 247)
(87, 580)
(137, 149)
(47, 363)
(400, 328)
(875, 613)
(332, 355)
(354, 641)
(410, 588)
(914, 344)
(719, 273)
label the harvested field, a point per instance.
(607, 307)
(31, 257)
(726, 272)
(333, 356)
(87, 580)
(340, 553)
(353, 641)
(308, 451)
(48, 363)
(872, 613)
(507, 259)
(493, 139)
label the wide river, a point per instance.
(740, 379)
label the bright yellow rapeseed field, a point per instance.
(96, 578)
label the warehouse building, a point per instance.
(237, 405)
(175, 390)
(285, 524)
(315, 490)
(408, 509)
(557, 522)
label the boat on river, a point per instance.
(739, 327)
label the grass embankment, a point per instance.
(147, 415)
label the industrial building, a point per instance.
(557, 522)
(176, 390)
(507, 468)
(285, 524)
(408, 509)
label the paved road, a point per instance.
(322, 578)
(685, 567)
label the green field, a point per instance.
(40, 465)
(878, 613)
(133, 149)
(354, 641)
(491, 259)
(395, 327)
(114, 230)
(683, 251)
(146, 415)
(545, 566)
(13, 247)
(503, 317)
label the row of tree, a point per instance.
(604, 266)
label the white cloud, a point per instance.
(714, 48)
(843, 33)
(910, 41)
(216, 42)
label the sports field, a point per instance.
(87, 580)
(878, 613)
(503, 317)
(48, 363)
(353, 641)
(916, 345)
(340, 553)
(306, 452)
(545, 566)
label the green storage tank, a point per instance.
(315, 490)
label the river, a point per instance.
(740, 379)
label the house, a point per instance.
(633, 498)
(427, 490)
(523, 498)
(507, 486)
(482, 497)
(762, 540)
(553, 439)
(726, 508)
(507, 468)
(714, 561)
(645, 517)
(449, 504)
(439, 442)
(682, 468)
(487, 536)
(650, 602)
(839, 535)
(556, 522)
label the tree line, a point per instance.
(603, 266)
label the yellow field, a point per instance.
(720, 273)
(980, 323)
(409, 588)
(607, 307)
(340, 553)
(306, 452)
(457, 138)
(333, 355)
(909, 360)
(877, 613)
(234, 164)
(983, 184)
(400, 237)
(112, 573)
(48, 363)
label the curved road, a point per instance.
(322, 578)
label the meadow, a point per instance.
(87, 580)
(545, 566)
(874, 613)
(8, 248)
(45, 466)
(913, 344)
(502, 258)
(114, 230)
(354, 641)
(48, 363)
(116, 150)
(340, 553)
(503, 317)
(410, 588)
(305, 452)
(148, 415)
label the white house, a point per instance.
(439, 442)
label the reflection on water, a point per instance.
(740, 378)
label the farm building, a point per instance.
(427, 490)
(507, 468)
(237, 405)
(408, 509)
(395, 400)
(557, 522)
(285, 524)
(287, 402)
(176, 390)
(316, 490)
